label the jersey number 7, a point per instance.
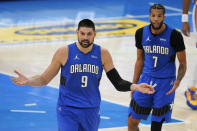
(155, 60)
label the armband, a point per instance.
(184, 17)
(117, 81)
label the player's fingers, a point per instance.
(150, 87)
(151, 91)
(17, 81)
(20, 83)
(13, 79)
(169, 92)
(19, 74)
(147, 91)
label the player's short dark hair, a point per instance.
(86, 23)
(158, 7)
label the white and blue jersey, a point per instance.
(80, 78)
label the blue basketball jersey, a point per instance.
(159, 59)
(82, 74)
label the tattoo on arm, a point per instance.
(181, 72)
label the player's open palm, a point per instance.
(145, 88)
(20, 80)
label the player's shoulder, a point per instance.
(62, 51)
(105, 54)
(140, 29)
(61, 54)
(104, 50)
(176, 33)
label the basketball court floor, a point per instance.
(29, 36)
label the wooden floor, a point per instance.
(32, 59)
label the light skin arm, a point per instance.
(106, 60)
(185, 25)
(108, 65)
(138, 65)
(181, 70)
(58, 60)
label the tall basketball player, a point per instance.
(157, 47)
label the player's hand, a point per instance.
(143, 87)
(20, 80)
(176, 85)
(186, 29)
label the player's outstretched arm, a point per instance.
(119, 83)
(47, 75)
(21, 80)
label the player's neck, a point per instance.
(84, 50)
(156, 32)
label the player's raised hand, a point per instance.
(143, 87)
(20, 80)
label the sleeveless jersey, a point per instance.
(159, 59)
(82, 74)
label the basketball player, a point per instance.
(81, 64)
(190, 93)
(157, 47)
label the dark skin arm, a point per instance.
(181, 55)
(138, 65)
(185, 25)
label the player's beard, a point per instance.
(156, 28)
(85, 43)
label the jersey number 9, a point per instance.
(84, 81)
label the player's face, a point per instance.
(156, 18)
(86, 36)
